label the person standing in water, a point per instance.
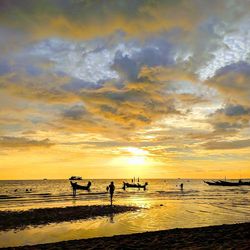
(181, 186)
(111, 189)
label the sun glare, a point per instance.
(136, 151)
(137, 156)
(136, 160)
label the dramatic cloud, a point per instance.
(100, 78)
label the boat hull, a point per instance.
(138, 186)
(227, 183)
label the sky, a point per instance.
(116, 89)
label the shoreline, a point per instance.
(42, 216)
(232, 236)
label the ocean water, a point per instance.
(163, 206)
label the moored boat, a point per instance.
(81, 187)
(76, 186)
(133, 185)
(228, 183)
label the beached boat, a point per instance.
(133, 185)
(228, 183)
(75, 178)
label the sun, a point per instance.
(132, 156)
(136, 156)
(136, 160)
(136, 151)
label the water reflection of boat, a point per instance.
(228, 183)
(75, 178)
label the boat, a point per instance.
(75, 178)
(81, 187)
(133, 185)
(212, 182)
(76, 186)
(228, 183)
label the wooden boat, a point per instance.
(76, 186)
(133, 185)
(228, 183)
(211, 183)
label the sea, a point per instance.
(163, 205)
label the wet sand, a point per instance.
(235, 236)
(21, 219)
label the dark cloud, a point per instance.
(152, 53)
(232, 82)
(76, 85)
(237, 144)
(76, 112)
(127, 67)
(5, 67)
(23, 142)
(234, 110)
(232, 118)
(239, 67)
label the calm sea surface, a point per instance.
(163, 204)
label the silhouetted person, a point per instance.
(181, 186)
(74, 184)
(111, 189)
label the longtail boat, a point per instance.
(228, 183)
(133, 185)
(76, 186)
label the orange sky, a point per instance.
(156, 89)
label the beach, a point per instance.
(33, 217)
(236, 236)
(49, 217)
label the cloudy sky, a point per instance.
(113, 89)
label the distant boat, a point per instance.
(45, 179)
(74, 178)
(133, 185)
(228, 183)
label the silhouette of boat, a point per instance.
(212, 182)
(75, 178)
(228, 183)
(133, 185)
(76, 186)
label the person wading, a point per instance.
(111, 189)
